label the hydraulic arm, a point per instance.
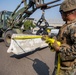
(30, 6)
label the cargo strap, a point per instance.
(58, 65)
(23, 37)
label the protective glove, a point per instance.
(44, 37)
(52, 45)
(55, 46)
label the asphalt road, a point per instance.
(40, 62)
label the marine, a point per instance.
(67, 37)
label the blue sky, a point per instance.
(49, 13)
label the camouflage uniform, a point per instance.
(67, 36)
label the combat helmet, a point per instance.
(68, 5)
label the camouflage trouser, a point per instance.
(65, 72)
(68, 72)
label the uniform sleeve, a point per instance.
(68, 52)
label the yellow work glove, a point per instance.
(55, 46)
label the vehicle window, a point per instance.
(2, 17)
(7, 15)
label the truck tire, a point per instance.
(1, 33)
(7, 37)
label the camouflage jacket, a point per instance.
(67, 36)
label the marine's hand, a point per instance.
(55, 46)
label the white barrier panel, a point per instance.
(26, 45)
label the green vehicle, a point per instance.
(4, 26)
(11, 22)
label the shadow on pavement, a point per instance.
(26, 54)
(40, 67)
